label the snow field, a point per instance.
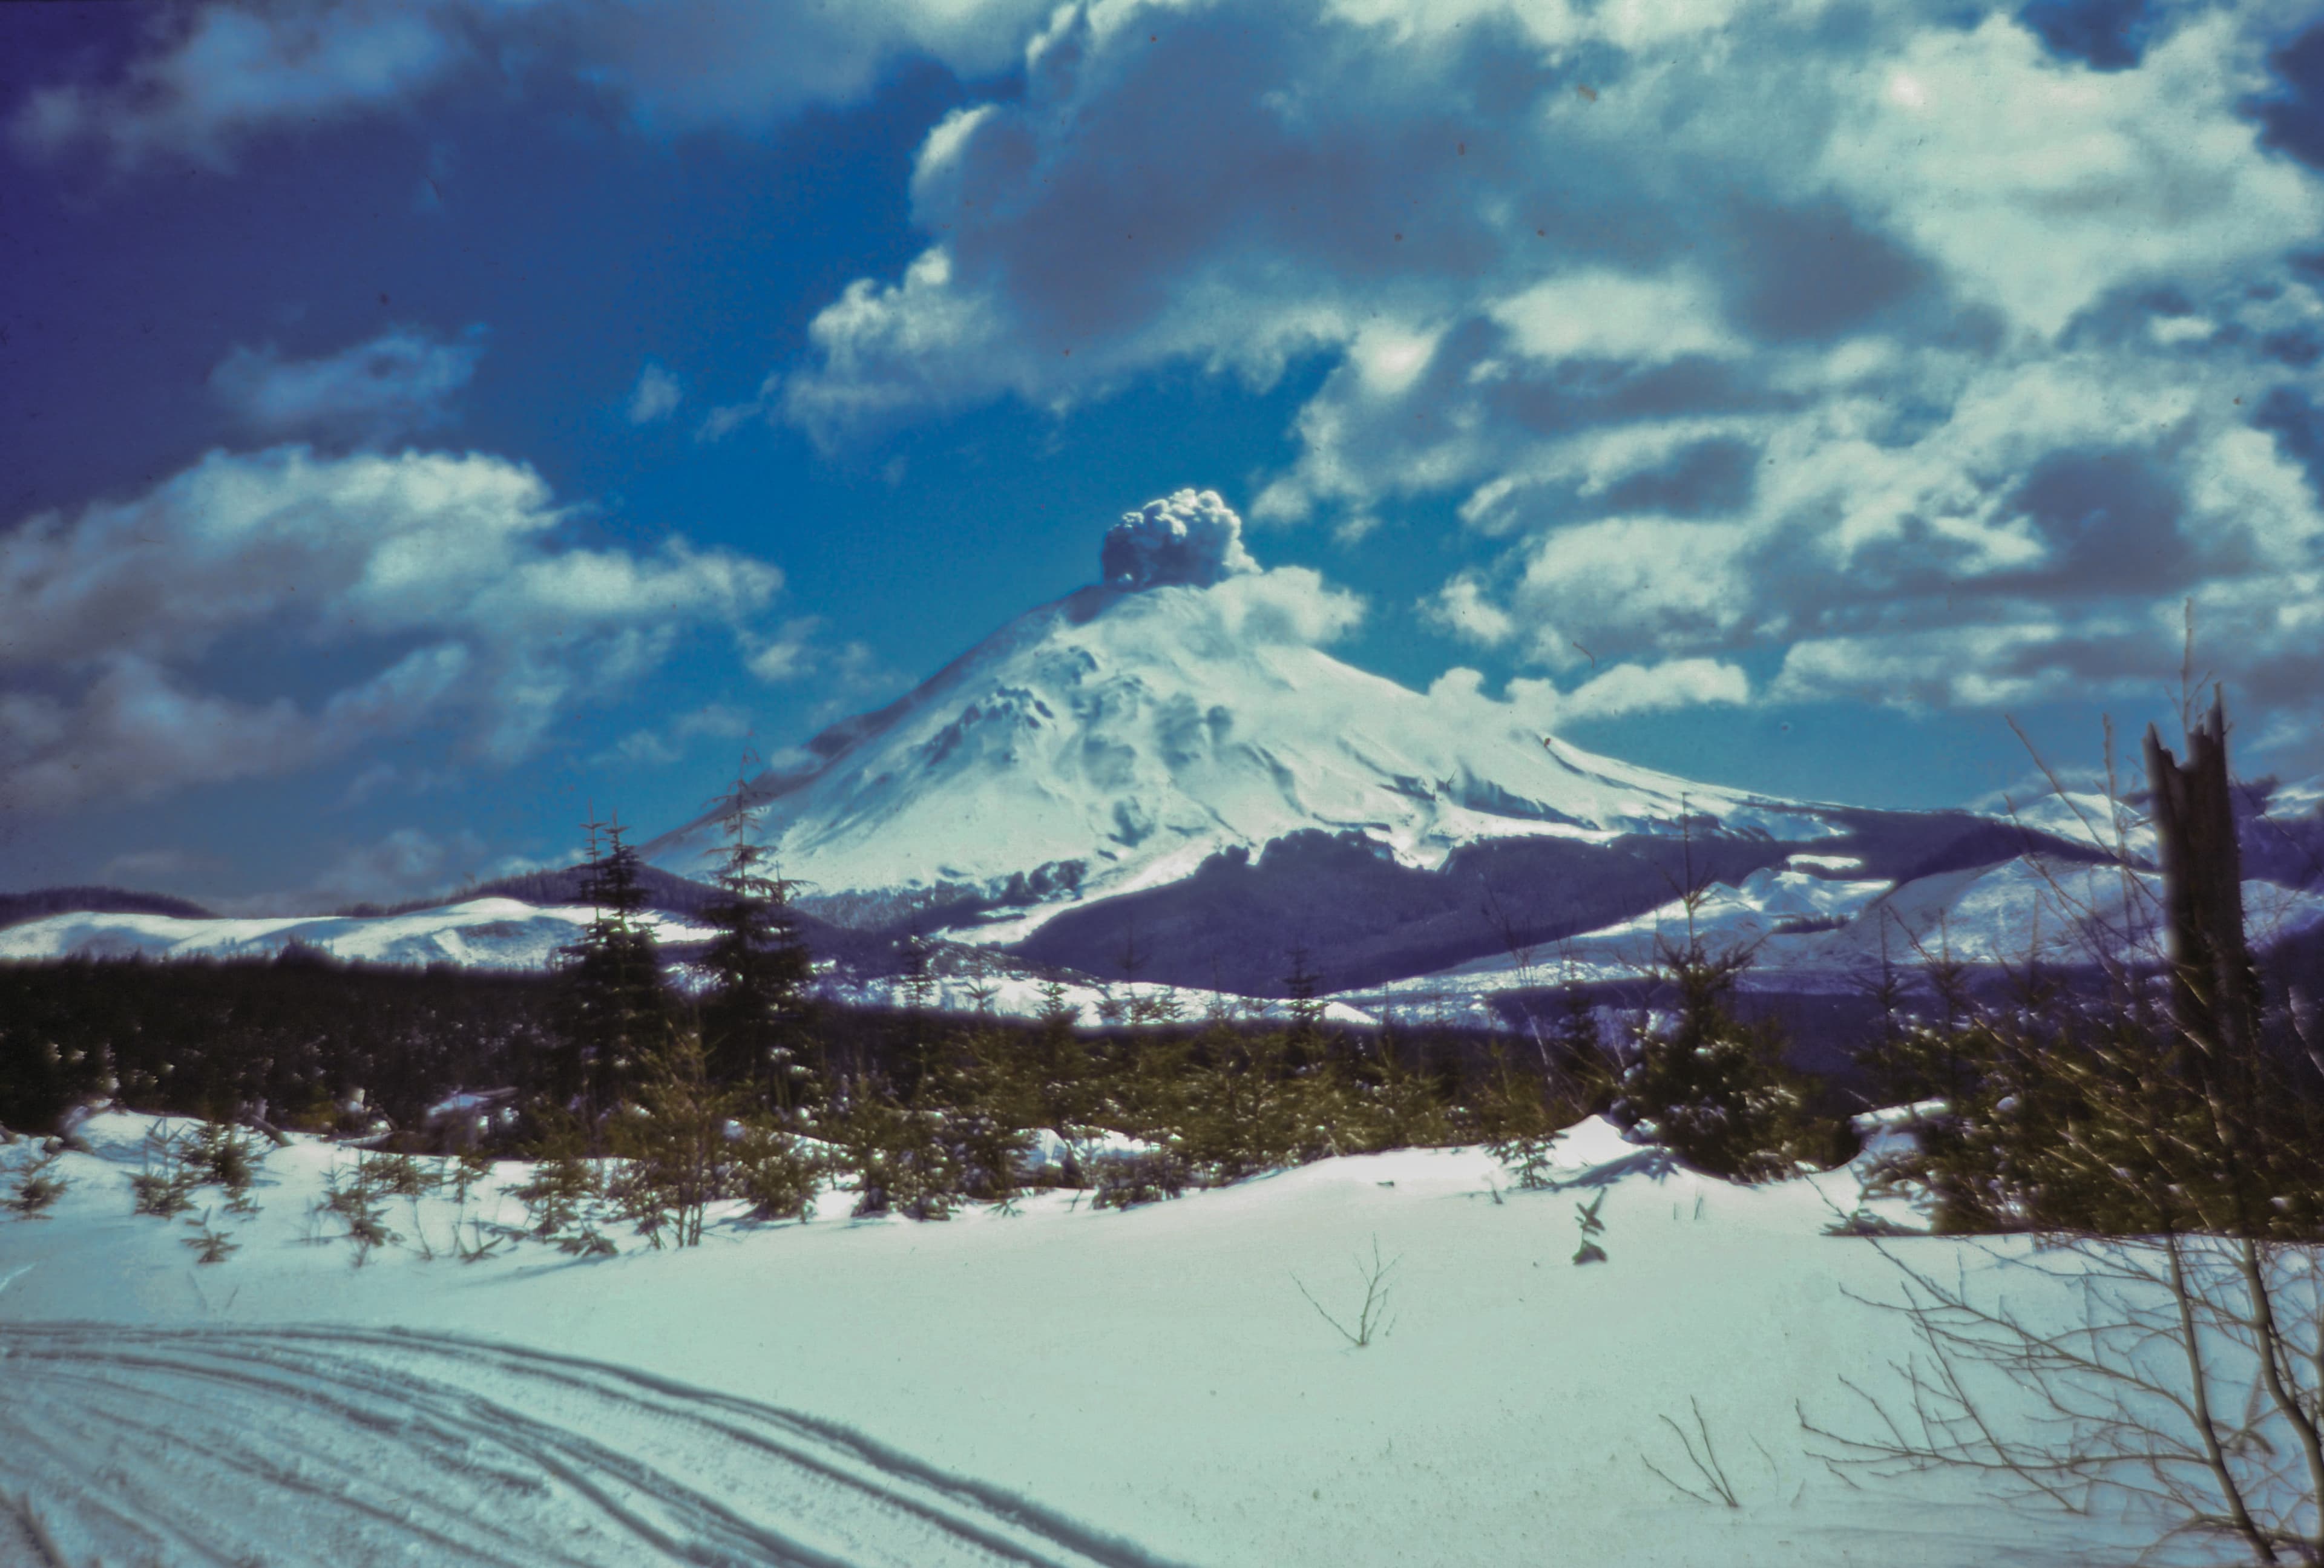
(1154, 1376)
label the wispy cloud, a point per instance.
(656, 396)
(398, 384)
(660, 747)
(210, 76)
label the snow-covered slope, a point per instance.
(1115, 739)
(1815, 934)
(1071, 1385)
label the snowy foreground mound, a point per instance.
(1055, 1386)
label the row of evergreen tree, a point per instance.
(2047, 1097)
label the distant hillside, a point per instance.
(670, 894)
(15, 908)
(667, 893)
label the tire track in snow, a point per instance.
(340, 1447)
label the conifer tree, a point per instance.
(1710, 1086)
(1061, 1061)
(677, 1158)
(1303, 987)
(754, 1018)
(915, 1046)
(616, 1006)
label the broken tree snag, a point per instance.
(2215, 994)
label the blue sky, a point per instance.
(425, 420)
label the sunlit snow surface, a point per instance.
(1813, 933)
(1059, 1386)
(333, 1444)
(1137, 733)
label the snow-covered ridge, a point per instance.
(483, 933)
(1813, 933)
(506, 935)
(1170, 759)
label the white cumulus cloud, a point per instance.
(1906, 342)
(445, 575)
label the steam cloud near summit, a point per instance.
(1192, 538)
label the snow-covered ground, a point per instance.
(1057, 1385)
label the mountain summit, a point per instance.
(1181, 709)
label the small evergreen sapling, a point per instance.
(467, 1168)
(1528, 1160)
(353, 1197)
(1585, 1217)
(989, 1106)
(1713, 1089)
(674, 1151)
(562, 1200)
(1147, 1176)
(177, 1165)
(900, 1162)
(1407, 1105)
(226, 1158)
(34, 1184)
(164, 1186)
(400, 1176)
(210, 1244)
(1518, 1114)
(774, 1175)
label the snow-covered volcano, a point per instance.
(1116, 738)
(1165, 776)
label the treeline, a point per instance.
(301, 1035)
(2176, 1097)
(17, 907)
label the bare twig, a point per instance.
(1371, 1318)
(1713, 1487)
(2123, 1397)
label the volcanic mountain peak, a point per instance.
(1119, 737)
